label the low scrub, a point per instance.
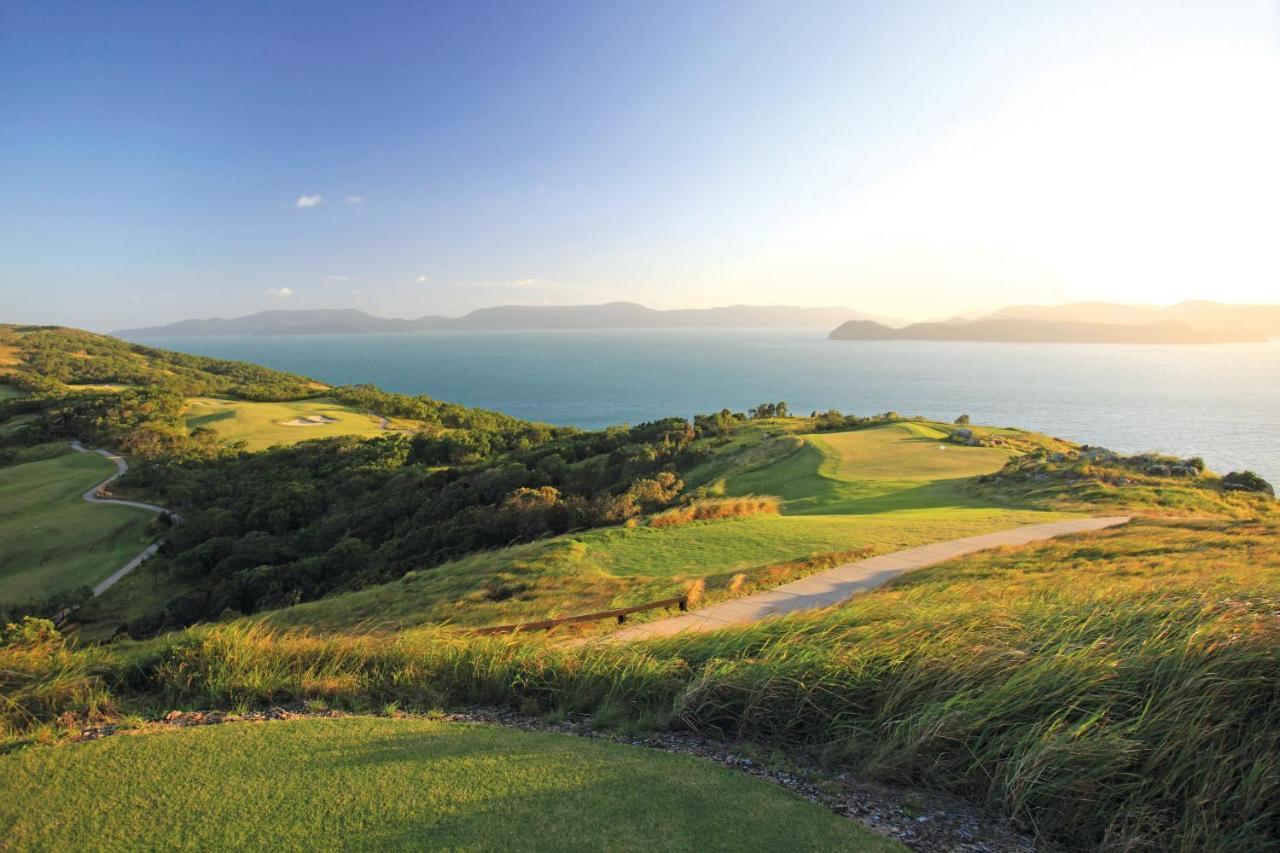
(712, 509)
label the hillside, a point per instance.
(613, 315)
(1106, 689)
(1010, 330)
(1206, 316)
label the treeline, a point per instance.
(833, 420)
(293, 524)
(145, 422)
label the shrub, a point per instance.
(716, 508)
(1248, 481)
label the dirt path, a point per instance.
(835, 585)
(94, 495)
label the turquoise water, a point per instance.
(1221, 402)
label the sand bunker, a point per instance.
(312, 420)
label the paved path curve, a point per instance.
(95, 495)
(835, 585)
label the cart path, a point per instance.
(842, 582)
(95, 495)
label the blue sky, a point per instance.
(164, 160)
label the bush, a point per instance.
(1248, 481)
(716, 508)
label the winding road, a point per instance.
(95, 495)
(842, 582)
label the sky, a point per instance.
(164, 160)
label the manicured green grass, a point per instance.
(378, 784)
(887, 468)
(260, 425)
(872, 491)
(52, 539)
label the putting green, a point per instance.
(366, 783)
(883, 469)
(261, 425)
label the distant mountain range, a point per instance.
(1088, 323)
(1205, 316)
(1016, 330)
(613, 315)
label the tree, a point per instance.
(963, 420)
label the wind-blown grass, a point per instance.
(1119, 689)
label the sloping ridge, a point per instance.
(844, 581)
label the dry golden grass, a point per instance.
(716, 508)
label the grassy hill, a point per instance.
(54, 541)
(845, 495)
(1109, 690)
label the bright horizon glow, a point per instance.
(917, 161)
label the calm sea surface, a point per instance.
(1221, 402)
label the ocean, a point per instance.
(1221, 402)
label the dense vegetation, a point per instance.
(298, 523)
(54, 357)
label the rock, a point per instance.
(172, 715)
(1184, 471)
(1158, 470)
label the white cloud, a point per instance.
(354, 199)
(305, 201)
(422, 279)
(279, 292)
(339, 278)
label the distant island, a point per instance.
(612, 315)
(1017, 330)
(1264, 320)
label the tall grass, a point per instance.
(711, 509)
(1119, 691)
(44, 685)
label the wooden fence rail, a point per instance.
(620, 614)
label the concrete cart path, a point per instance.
(95, 495)
(835, 585)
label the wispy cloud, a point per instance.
(354, 199)
(423, 279)
(339, 278)
(305, 201)
(279, 292)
